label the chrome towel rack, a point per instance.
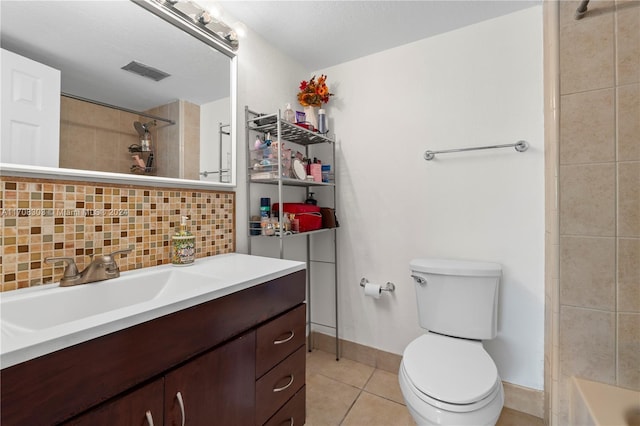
(520, 146)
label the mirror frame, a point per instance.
(9, 169)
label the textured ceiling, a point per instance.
(91, 40)
(319, 34)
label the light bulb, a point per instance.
(240, 29)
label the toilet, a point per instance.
(446, 376)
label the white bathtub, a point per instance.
(598, 404)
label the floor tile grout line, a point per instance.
(350, 407)
(356, 398)
(384, 397)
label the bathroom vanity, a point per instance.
(226, 354)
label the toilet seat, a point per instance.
(453, 374)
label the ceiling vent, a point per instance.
(145, 71)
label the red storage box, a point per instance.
(308, 215)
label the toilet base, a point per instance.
(429, 415)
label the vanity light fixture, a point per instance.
(204, 17)
(215, 11)
(240, 29)
(201, 20)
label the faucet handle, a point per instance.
(71, 271)
(124, 251)
(110, 258)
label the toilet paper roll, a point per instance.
(372, 290)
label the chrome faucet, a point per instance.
(102, 267)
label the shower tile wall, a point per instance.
(178, 146)
(42, 218)
(94, 137)
(599, 199)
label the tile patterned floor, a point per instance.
(347, 393)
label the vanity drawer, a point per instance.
(292, 413)
(279, 385)
(279, 338)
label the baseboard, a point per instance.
(526, 400)
(519, 398)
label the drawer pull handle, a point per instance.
(279, 342)
(149, 417)
(290, 421)
(181, 404)
(285, 386)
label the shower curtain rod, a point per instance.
(143, 114)
(582, 9)
(520, 146)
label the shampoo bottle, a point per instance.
(183, 245)
(289, 115)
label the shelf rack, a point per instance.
(288, 132)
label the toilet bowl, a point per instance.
(446, 377)
(450, 381)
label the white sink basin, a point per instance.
(39, 320)
(49, 307)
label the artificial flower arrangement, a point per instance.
(314, 93)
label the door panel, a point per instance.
(30, 112)
(142, 407)
(215, 388)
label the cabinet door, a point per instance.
(217, 388)
(142, 407)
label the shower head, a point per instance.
(142, 129)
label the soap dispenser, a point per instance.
(183, 245)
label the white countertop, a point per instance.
(229, 273)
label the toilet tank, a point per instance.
(457, 297)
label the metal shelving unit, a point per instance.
(256, 123)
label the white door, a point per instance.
(30, 123)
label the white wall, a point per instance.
(212, 114)
(480, 85)
(267, 80)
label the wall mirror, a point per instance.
(112, 120)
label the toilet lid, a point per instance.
(451, 370)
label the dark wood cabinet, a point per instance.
(280, 366)
(141, 407)
(279, 338)
(276, 387)
(200, 361)
(216, 388)
(292, 413)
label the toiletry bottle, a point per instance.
(183, 250)
(322, 122)
(145, 141)
(289, 115)
(286, 222)
(311, 200)
(265, 207)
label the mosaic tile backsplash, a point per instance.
(44, 218)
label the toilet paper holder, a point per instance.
(389, 286)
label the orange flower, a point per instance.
(314, 93)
